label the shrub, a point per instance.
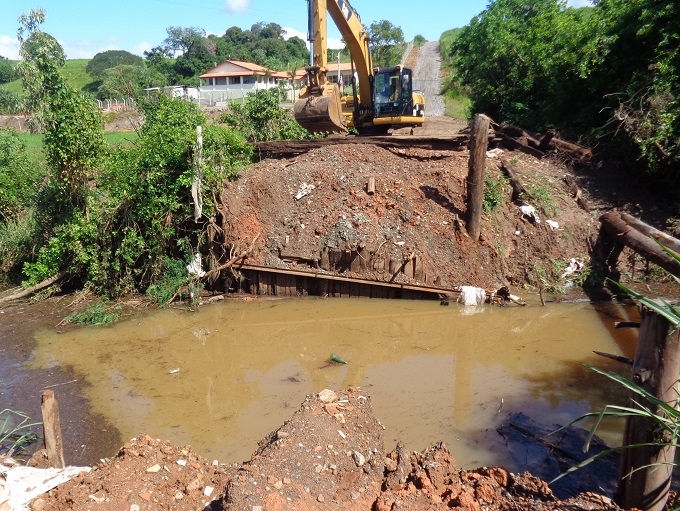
(19, 177)
(261, 118)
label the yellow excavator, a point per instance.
(382, 99)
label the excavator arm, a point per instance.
(319, 107)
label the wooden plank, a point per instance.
(52, 429)
(324, 262)
(450, 143)
(340, 278)
(355, 261)
(279, 284)
(334, 258)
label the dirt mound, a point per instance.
(329, 455)
(311, 210)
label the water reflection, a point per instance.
(225, 376)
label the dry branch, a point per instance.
(33, 289)
(232, 261)
(518, 189)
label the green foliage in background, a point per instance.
(261, 118)
(610, 72)
(19, 176)
(7, 70)
(109, 59)
(387, 43)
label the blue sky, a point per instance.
(85, 28)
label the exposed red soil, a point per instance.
(329, 455)
(308, 207)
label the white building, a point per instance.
(234, 79)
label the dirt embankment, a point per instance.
(317, 204)
(329, 455)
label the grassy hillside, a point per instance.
(73, 72)
(34, 143)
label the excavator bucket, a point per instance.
(320, 114)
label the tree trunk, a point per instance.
(475, 180)
(645, 472)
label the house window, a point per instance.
(248, 79)
(234, 80)
(221, 80)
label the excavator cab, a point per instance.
(393, 92)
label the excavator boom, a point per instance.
(385, 97)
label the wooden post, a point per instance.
(52, 429)
(370, 186)
(645, 472)
(475, 180)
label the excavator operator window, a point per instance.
(387, 93)
(406, 103)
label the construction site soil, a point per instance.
(330, 454)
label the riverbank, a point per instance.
(330, 454)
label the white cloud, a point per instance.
(140, 48)
(333, 44)
(237, 5)
(9, 47)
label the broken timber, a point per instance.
(265, 280)
(619, 230)
(451, 143)
(538, 145)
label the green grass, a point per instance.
(456, 107)
(73, 72)
(34, 142)
(123, 138)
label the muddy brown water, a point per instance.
(223, 377)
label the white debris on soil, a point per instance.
(19, 485)
(305, 189)
(530, 211)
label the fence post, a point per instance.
(475, 179)
(645, 471)
(52, 429)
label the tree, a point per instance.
(520, 60)
(74, 135)
(385, 39)
(185, 41)
(124, 80)
(264, 30)
(111, 58)
(41, 57)
(7, 71)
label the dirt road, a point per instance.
(426, 78)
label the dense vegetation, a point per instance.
(121, 218)
(609, 73)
